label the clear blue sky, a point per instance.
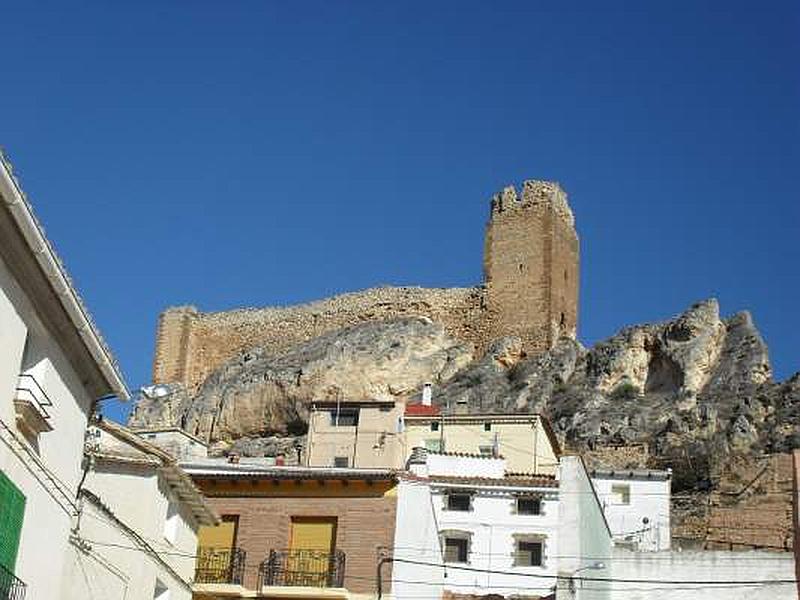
(229, 154)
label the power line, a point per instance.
(599, 579)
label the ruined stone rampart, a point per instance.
(531, 291)
(191, 344)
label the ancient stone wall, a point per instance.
(531, 272)
(531, 265)
(190, 345)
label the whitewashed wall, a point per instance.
(465, 466)
(688, 566)
(115, 569)
(492, 523)
(584, 537)
(649, 499)
(416, 539)
(46, 525)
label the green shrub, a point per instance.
(624, 391)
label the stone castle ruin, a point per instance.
(530, 290)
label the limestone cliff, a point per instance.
(695, 385)
(260, 394)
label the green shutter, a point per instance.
(12, 511)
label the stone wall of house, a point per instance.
(531, 290)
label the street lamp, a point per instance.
(595, 566)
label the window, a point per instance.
(346, 417)
(486, 450)
(456, 549)
(171, 522)
(435, 426)
(12, 511)
(529, 553)
(341, 462)
(487, 426)
(621, 493)
(433, 444)
(462, 502)
(529, 506)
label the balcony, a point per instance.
(31, 403)
(219, 565)
(307, 568)
(11, 588)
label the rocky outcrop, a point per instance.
(259, 394)
(695, 386)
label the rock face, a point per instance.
(696, 385)
(694, 378)
(258, 394)
(694, 394)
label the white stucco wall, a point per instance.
(649, 499)
(46, 525)
(417, 539)
(584, 538)
(465, 466)
(688, 566)
(139, 498)
(492, 522)
(177, 443)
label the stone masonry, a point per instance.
(531, 261)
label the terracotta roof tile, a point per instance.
(422, 410)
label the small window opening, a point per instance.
(460, 502)
(347, 417)
(529, 506)
(487, 426)
(433, 444)
(456, 549)
(621, 493)
(529, 554)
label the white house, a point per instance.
(510, 535)
(178, 443)
(54, 367)
(136, 537)
(636, 503)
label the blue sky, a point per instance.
(255, 153)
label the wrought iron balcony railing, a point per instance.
(11, 588)
(310, 568)
(220, 565)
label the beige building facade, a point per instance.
(526, 441)
(383, 434)
(356, 434)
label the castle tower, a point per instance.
(531, 260)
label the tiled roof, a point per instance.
(222, 469)
(464, 454)
(422, 410)
(534, 481)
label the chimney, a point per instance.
(427, 394)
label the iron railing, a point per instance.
(30, 385)
(310, 568)
(220, 565)
(11, 588)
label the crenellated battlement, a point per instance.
(535, 193)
